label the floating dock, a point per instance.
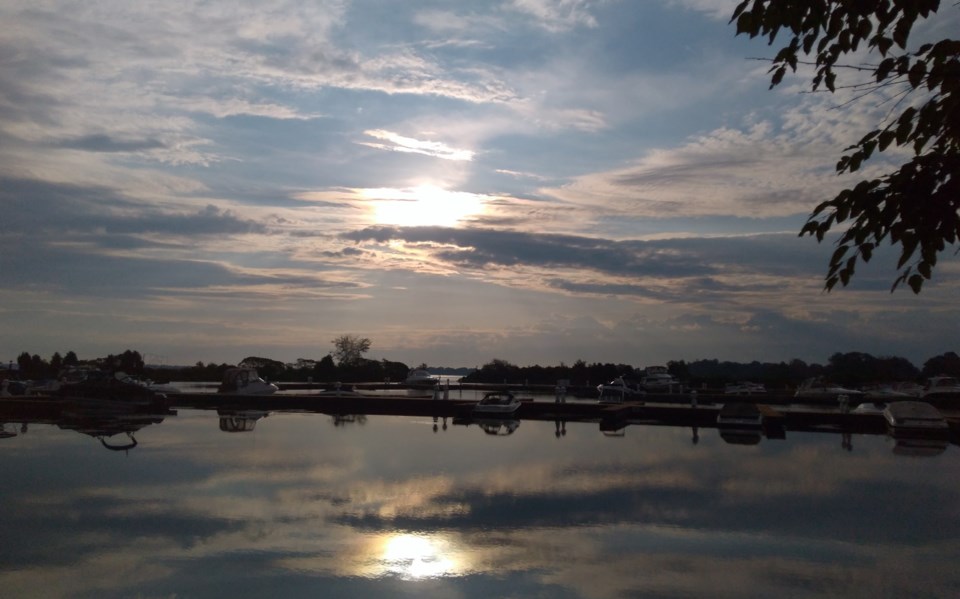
(656, 410)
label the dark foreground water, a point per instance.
(306, 506)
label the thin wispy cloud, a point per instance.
(399, 143)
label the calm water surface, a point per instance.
(305, 505)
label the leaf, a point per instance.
(886, 138)
(884, 68)
(883, 44)
(915, 282)
(740, 8)
(909, 243)
(904, 127)
(901, 32)
(917, 71)
(778, 76)
(838, 254)
(855, 161)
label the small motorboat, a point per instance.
(870, 407)
(914, 418)
(500, 403)
(620, 389)
(656, 379)
(744, 388)
(819, 388)
(419, 378)
(244, 380)
(942, 387)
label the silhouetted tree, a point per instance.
(70, 359)
(56, 362)
(267, 368)
(348, 350)
(325, 369)
(917, 206)
(944, 364)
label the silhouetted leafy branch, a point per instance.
(916, 206)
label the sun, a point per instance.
(426, 205)
(416, 557)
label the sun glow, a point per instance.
(415, 557)
(426, 205)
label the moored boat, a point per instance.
(500, 403)
(914, 417)
(244, 380)
(656, 379)
(744, 388)
(820, 388)
(941, 387)
(421, 379)
(620, 389)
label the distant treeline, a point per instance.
(33, 367)
(852, 368)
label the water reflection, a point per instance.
(496, 427)
(300, 507)
(239, 421)
(112, 423)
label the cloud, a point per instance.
(399, 143)
(717, 9)
(754, 172)
(556, 15)
(104, 143)
(51, 211)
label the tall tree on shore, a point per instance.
(348, 350)
(918, 205)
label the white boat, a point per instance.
(908, 388)
(906, 417)
(885, 393)
(870, 407)
(137, 380)
(744, 388)
(244, 380)
(941, 386)
(502, 403)
(620, 389)
(656, 379)
(421, 378)
(339, 390)
(819, 388)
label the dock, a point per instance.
(778, 416)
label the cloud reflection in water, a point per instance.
(389, 506)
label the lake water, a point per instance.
(305, 505)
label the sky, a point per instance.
(538, 181)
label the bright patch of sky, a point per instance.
(532, 180)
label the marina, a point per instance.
(772, 415)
